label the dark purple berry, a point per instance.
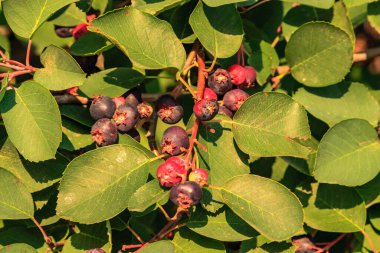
(224, 110)
(220, 81)
(186, 194)
(145, 110)
(133, 97)
(97, 250)
(102, 107)
(168, 110)
(125, 117)
(206, 109)
(104, 132)
(175, 141)
(234, 99)
(64, 32)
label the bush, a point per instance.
(190, 126)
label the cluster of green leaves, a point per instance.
(300, 159)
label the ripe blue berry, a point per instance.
(206, 109)
(145, 110)
(175, 141)
(168, 110)
(186, 194)
(102, 107)
(220, 81)
(133, 97)
(125, 117)
(104, 132)
(234, 99)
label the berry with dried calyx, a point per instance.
(200, 176)
(102, 107)
(171, 172)
(145, 110)
(125, 117)
(234, 99)
(104, 132)
(175, 141)
(237, 73)
(220, 81)
(209, 94)
(206, 109)
(186, 194)
(168, 110)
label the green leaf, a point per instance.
(146, 196)
(283, 247)
(264, 59)
(319, 54)
(186, 241)
(142, 37)
(93, 181)
(90, 44)
(25, 16)
(179, 20)
(88, 237)
(61, 70)
(77, 113)
(111, 82)
(75, 136)
(323, 4)
(100, 5)
(222, 37)
(35, 176)
(352, 3)
(32, 120)
(342, 20)
(340, 102)
(18, 248)
(3, 87)
(370, 192)
(16, 203)
(160, 246)
(216, 3)
(70, 16)
(271, 124)
(348, 154)
(374, 15)
(302, 14)
(332, 208)
(266, 205)
(222, 163)
(156, 7)
(374, 216)
(224, 226)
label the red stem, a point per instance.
(331, 244)
(27, 61)
(47, 239)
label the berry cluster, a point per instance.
(186, 182)
(117, 114)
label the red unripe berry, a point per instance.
(171, 172)
(234, 99)
(200, 176)
(119, 101)
(224, 110)
(250, 75)
(237, 74)
(209, 94)
(80, 30)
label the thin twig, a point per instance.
(47, 239)
(135, 234)
(27, 61)
(370, 242)
(254, 6)
(151, 134)
(368, 54)
(331, 244)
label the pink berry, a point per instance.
(171, 172)
(250, 76)
(234, 99)
(80, 30)
(237, 73)
(209, 94)
(119, 101)
(200, 176)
